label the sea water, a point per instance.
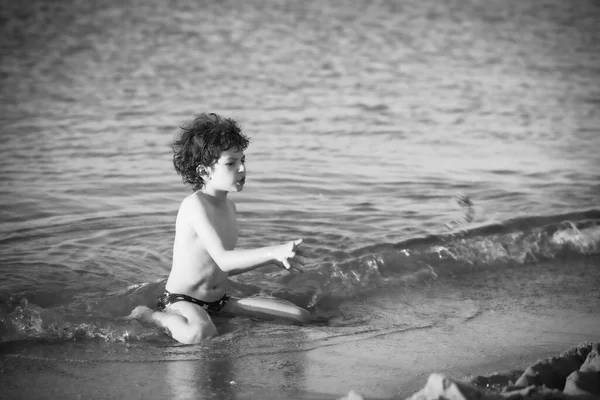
(439, 159)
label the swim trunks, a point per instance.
(212, 307)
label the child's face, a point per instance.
(228, 173)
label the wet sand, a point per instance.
(393, 365)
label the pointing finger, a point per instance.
(296, 243)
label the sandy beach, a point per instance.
(383, 366)
(485, 323)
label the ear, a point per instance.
(203, 171)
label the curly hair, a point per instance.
(201, 142)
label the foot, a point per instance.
(141, 313)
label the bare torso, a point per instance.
(194, 272)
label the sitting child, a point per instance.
(209, 155)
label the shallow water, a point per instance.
(368, 123)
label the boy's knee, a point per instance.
(304, 317)
(199, 333)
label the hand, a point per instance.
(288, 256)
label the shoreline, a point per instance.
(479, 347)
(393, 365)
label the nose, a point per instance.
(242, 168)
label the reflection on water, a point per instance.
(199, 379)
(228, 365)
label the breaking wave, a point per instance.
(324, 285)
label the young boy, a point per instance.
(209, 155)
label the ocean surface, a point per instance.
(439, 159)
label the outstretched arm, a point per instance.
(283, 255)
(237, 261)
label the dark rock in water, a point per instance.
(592, 361)
(583, 384)
(577, 371)
(553, 372)
(574, 375)
(586, 381)
(441, 387)
(352, 395)
(496, 382)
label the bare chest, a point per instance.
(225, 223)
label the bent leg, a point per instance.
(267, 308)
(185, 322)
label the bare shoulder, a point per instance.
(193, 205)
